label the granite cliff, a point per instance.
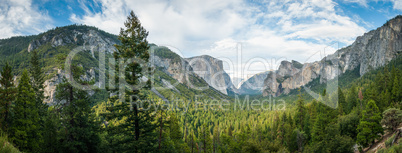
(370, 51)
(211, 70)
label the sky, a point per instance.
(248, 36)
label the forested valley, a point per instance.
(363, 113)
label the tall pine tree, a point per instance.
(25, 125)
(80, 129)
(137, 132)
(369, 127)
(7, 94)
(341, 102)
(37, 82)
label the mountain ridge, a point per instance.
(369, 51)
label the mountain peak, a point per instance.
(74, 35)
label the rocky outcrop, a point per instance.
(372, 50)
(91, 39)
(211, 70)
(50, 84)
(176, 67)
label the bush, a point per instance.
(5, 146)
(389, 141)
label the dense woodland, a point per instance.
(363, 110)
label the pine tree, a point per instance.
(351, 100)
(318, 132)
(25, 125)
(341, 101)
(37, 82)
(205, 140)
(51, 136)
(76, 116)
(369, 127)
(300, 113)
(176, 134)
(7, 94)
(395, 90)
(138, 129)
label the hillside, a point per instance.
(370, 51)
(54, 46)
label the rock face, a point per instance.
(372, 50)
(91, 39)
(50, 84)
(170, 63)
(211, 70)
(254, 84)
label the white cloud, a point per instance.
(397, 4)
(273, 30)
(360, 2)
(20, 17)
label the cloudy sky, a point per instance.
(250, 36)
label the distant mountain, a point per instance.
(370, 51)
(237, 81)
(211, 70)
(253, 85)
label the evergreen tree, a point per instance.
(37, 81)
(176, 134)
(51, 136)
(138, 129)
(7, 94)
(395, 90)
(369, 127)
(351, 100)
(76, 116)
(204, 139)
(300, 113)
(341, 101)
(25, 125)
(318, 131)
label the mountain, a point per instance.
(237, 82)
(254, 84)
(172, 72)
(211, 70)
(370, 51)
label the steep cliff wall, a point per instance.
(372, 50)
(211, 70)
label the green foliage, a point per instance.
(5, 145)
(348, 124)
(81, 131)
(7, 92)
(137, 131)
(351, 100)
(165, 52)
(369, 127)
(306, 125)
(25, 127)
(342, 105)
(393, 149)
(392, 118)
(389, 140)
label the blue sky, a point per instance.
(269, 31)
